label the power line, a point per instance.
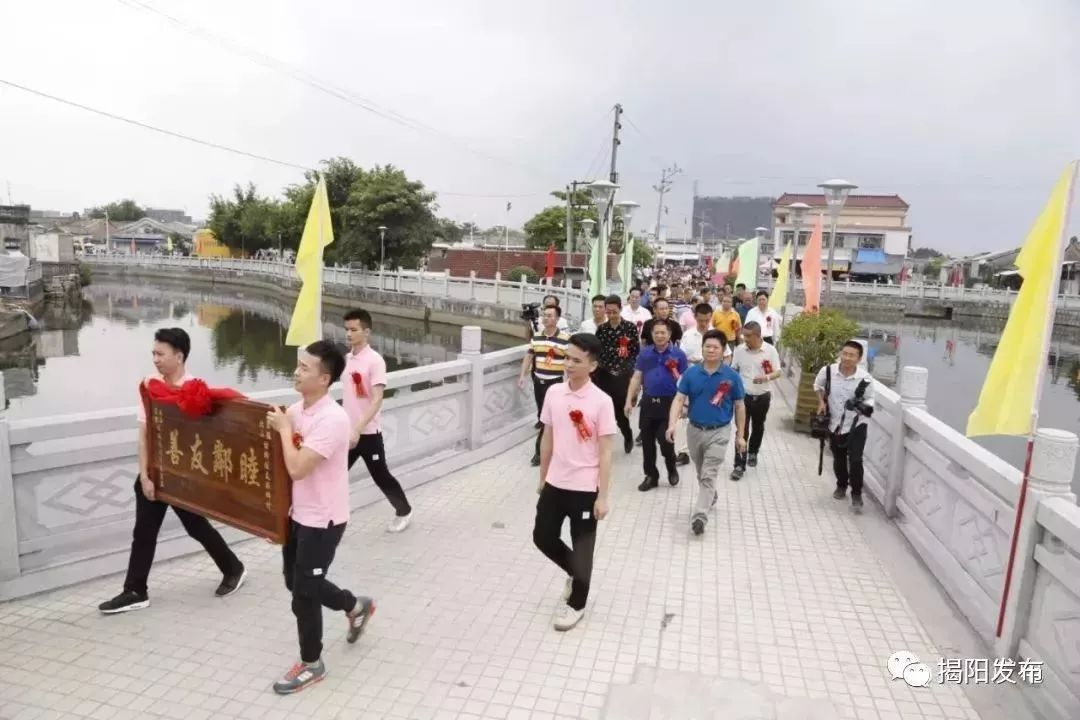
(210, 143)
(153, 128)
(302, 76)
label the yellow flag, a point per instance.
(779, 293)
(1009, 392)
(306, 324)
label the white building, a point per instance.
(872, 234)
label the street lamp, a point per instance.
(602, 192)
(382, 248)
(798, 213)
(626, 267)
(836, 194)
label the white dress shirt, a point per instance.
(639, 317)
(561, 325)
(748, 363)
(589, 326)
(691, 345)
(843, 389)
(769, 321)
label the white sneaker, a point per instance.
(568, 589)
(399, 523)
(567, 617)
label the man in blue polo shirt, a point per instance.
(715, 394)
(657, 372)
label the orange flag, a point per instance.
(811, 269)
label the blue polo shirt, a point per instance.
(656, 378)
(699, 386)
(742, 310)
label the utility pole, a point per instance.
(614, 177)
(666, 176)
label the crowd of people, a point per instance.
(696, 360)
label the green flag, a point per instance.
(748, 263)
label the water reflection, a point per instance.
(958, 353)
(90, 357)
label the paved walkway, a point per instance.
(779, 611)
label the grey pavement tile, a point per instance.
(779, 604)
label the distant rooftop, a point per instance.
(853, 201)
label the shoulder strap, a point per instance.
(828, 379)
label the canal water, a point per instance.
(93, 356)
(957, 354)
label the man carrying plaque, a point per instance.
(362, 398)
(171, 349)
(315, 435)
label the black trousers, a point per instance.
(371, 449)
(540, 388)
(757, 409)
(554, 506)
(847, 452)
(616, 386)
(149, 514)
(306, 559)
(653, 422)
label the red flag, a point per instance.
(549, 268)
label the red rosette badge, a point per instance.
(721, 392)
(358, 383)
(673, 367)
(580, 425)
(766, 367)
(193, 398)
(624, 347)
(297, 440)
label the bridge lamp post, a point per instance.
(603, 191)
(798, 213)
(836, 194)
(382, 248)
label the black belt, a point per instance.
(707, 428)
(547, 381)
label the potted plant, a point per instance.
(814, 340)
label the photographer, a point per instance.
(846, 392)
(530, 313)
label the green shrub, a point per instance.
(815, 339)
(522, 271)
(85, 274)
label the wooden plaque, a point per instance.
(227, 465)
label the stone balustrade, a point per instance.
(956, 503)
(66, 508)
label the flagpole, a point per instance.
(1040, 372)
(318, 297)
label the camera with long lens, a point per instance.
(530, 312)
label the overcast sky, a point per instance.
(969, 110)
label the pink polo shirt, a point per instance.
(575, 463)
(323, 496)
(372, 369)
(141, 410)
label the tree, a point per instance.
(933, 268)
(548, 227)
(386, 196)
(470, 228)
(449, 231)
(123, 211)
(360, 201)
(245, 221)
(925, 252)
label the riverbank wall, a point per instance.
(1067, 317)
(430, 308)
